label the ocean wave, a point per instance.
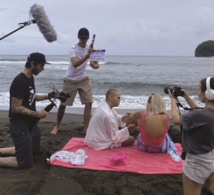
(127, 101)
(9, 60)
(12, 62)
(118, 63)
(59, 63)
(112, 63)
(131, 85)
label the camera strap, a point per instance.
(180, 105)
(186, 108)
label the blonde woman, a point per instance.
(153, 124)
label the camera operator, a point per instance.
(24, 132)
(197, 138)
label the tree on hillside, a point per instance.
(205, 49)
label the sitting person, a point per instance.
(103, 130)
(153, 125)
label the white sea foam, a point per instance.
(127, 102)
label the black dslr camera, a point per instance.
(176, 91)
(62, 96)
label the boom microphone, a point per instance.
(42, 21)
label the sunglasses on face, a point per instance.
(84, 38)
(150, 98)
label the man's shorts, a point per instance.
(198, 167)
(83, 87)
(25, 142)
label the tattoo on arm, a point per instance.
(16, 107)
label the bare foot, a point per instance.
(54, 131)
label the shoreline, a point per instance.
(79, 110)
(51, 117)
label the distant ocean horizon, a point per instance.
(136, 77)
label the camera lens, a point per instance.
(176, 91)
(166, 90)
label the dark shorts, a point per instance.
(26, 142)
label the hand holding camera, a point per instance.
(62, 96)
(175, 92)
(55, 94)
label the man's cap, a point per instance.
(83, 33)
(37, 58)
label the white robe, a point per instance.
(103, 132)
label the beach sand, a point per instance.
(44, 179)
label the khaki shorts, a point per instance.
(198, 167)
(83, 87)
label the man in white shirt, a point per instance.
(76, 79)
(103, 130)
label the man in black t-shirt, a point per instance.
(22, 113)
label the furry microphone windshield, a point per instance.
(42, 21)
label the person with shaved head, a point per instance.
(107, 128)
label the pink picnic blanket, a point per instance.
(136, 161)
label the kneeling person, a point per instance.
(103, 130)
(24, 132)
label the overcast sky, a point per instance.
(122, 27)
